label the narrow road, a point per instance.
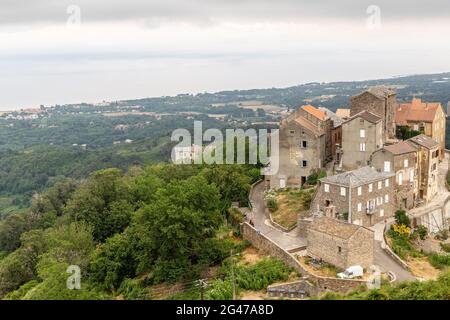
(383, 260)
(291, 240)
(286, 240)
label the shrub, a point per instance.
(401, 229)
(439, 261)
(262, 274)
(423, 232)
(445, 247)
(442, 235)
(272, 204)
(315, 177)
(220, 290)
(402, 218)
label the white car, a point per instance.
(351, 272)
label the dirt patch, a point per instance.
(323, 271)
(251, 256)
(421, 268)
(253, 295)
(292, 204)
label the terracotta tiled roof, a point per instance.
(334, 227)
(416, 111)
(315, 112)
(400, 148)
(424, 141)
(343, 113)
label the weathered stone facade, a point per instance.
(304, 146)
(401, 159)
(362, 135)
(381, 101)
(340, 243)
(428, 165)
(427, 118)
(363, 196)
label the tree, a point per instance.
(402, 218)
(10, 231)
(103, 202)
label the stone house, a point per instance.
(402, 160)
(304, 146)
(362, 197)
(340, 243)
(336, 134)
(380, 100)
(428, 165)
(428, 118)
(362, 135)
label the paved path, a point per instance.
(383, 260)
(286, 240)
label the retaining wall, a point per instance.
(267, 246)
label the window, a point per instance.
(405, 163)
(339, 249)
(371, 205)
(361, 121)
(362, 133)
(359, 191)
(362, 147)
(359, 207)
(433, 167)
(386, 183)
(380, 184)
(326, 187)
(381, 212)
(387, 166)
(370, 187)
(343, 191)
(411, 175)
(291, 132)
(386, 198)
(304, 163)
(304, 144)
(400, 178)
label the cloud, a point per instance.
(156, 12)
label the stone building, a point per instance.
(362, 197)
(340, 243)
(304, 146)
(336, 133)
(428, 165)
(362, 135)
(427, 118)
(380, 100)
(400, 159)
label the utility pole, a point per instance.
(233, 278)
(232, 275)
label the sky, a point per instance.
(56, 52)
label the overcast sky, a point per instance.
(141, 48)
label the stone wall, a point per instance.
(267, 246)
